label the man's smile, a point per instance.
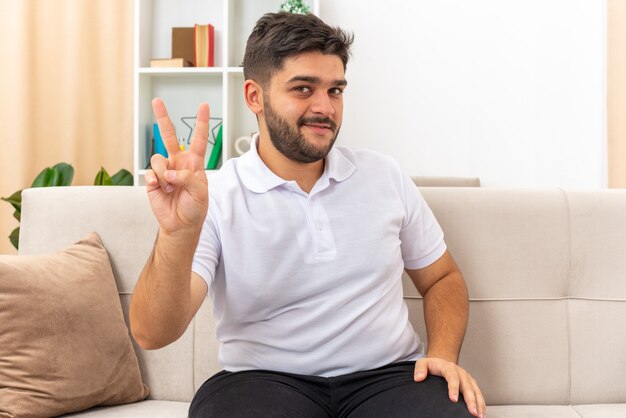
(320, 126)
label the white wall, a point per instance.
(510, 91)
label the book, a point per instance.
(204, 45)
(183, 41)
(159, 146)
(170, 62)
(216, 152)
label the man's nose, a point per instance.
(322, 104)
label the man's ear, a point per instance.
(254, 96)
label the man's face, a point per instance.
(303, 106)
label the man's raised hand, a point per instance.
(177, 185)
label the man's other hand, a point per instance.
(458, 380)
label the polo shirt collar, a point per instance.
(338, 167)
(258, 178)
(254, 174)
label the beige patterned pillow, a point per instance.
(64, 346)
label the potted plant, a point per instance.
(295, 6)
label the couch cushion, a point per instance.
(598, 291)
(514, 333)
(509, 244)
(145, 409)
(601, 410)
(205, 356)
(532, 411)
(64, 345)
(598, 235)
(598, 351)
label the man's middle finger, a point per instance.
(201, 135)
(453, 379)
(480, 399)
(469, 395)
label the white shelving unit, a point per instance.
(182, 89)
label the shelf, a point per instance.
(165, 71)
(183, 89)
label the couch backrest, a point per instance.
(545, 270)
(546, 274)
(441, 181)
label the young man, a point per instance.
(302, 245)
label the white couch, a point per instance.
(546, 271)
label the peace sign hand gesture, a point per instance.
(177, 186)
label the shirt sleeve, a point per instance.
(208, 251)
(421, 235)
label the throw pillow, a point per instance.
(64, 346)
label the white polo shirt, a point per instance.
(311, 283)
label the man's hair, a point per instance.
(277, 36)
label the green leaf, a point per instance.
(60, 174)
(102, 178)
(15, 237)
(295, 6)
(66, 174)
(122, 178)
(17, 215)
(15, 200)
(45, 178)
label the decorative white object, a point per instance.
(242, 144)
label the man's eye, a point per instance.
(303, 89)
(336, 91)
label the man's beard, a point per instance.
(290, 142)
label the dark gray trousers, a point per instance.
(387, 392)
